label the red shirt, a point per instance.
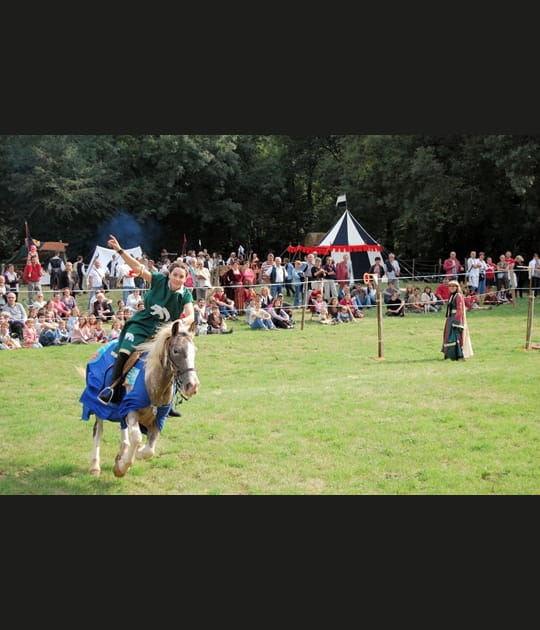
(443, 291)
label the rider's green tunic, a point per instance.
(161, 305)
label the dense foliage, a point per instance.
(419, 196)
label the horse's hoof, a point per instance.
(144, 453)
(95, 472)
(118, 472)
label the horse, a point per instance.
(167, 362)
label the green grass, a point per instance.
(300, 412)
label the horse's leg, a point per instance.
(131, 440)
(95, 468)
(148, 450)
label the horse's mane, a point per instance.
(156, 348)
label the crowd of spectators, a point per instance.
(266, 295)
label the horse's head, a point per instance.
(181, 353)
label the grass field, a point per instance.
(300, 412)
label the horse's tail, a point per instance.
(80, 371)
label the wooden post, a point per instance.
(530, 314)
(380, 353)
(305, 303)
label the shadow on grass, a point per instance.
(56, 479)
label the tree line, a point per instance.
(417, 195)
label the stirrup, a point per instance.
(106, 395)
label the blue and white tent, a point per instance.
(348, 236)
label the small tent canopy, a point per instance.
(347, 236)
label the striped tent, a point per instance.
(347, 236)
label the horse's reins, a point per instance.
(177, 378)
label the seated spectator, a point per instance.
(7, 341)
(3, 290)
(199, 310)
(387, 293)
(249, 307)
(81, 332)
(51, 314)
(59, 306)
(491, 298)
(443, 292)
(395, 306)
(67, 298)
(116, 329)
(17, 315)
(319, 304)
(134, 299)
(46, 326)
(216, 322)
(345, 315)
(226, 304)
(430, 301)
(73, 318)
(361, 296)
(100, 334)
(102, 308)
(280, 318)
(30, 334)
(347, 301)
(266, 297)
(333, 308)
(413, 303)
(62, 333)
(260, 318)
(39, 302)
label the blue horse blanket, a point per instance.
(98, 376)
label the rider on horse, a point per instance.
(166, 300)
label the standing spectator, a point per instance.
(12, 279)
(452, 267)
(80, 270)
(126, 279)
(112, 271)
(234, 283)
(277, 277)
(202, 277)
(473, 271)
(377, 268)
(32, 274)
(289, 289)
(3, 290)
(502, 273)
(266, 267)
(393, 270)
(344, 273)
(69, 277)
(491, 268)
(330, 289)
(482, 278)
(297, 276)
(55, 267)
(95, 279)
(456, 342)
(520, 275)
(534, 273)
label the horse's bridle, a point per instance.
(178, 375)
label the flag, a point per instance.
(29, 240)
(341, 201)
(184, 246)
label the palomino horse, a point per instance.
(168, 359)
